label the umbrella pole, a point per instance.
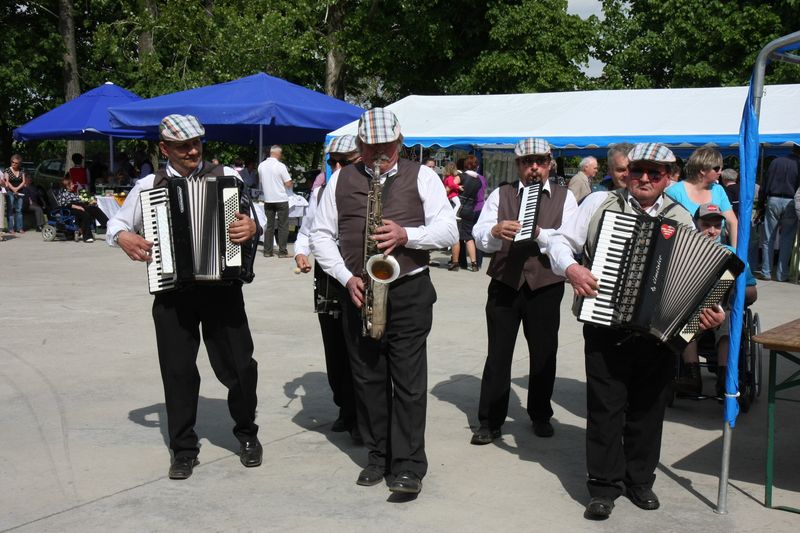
(110, 155)
(722, 494)
(260, 142)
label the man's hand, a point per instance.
(390, 236)
(506, 229)
(583, 283)
(355, 287)
(242, 229)
(302, 263)
(711, 317)
(135, 246)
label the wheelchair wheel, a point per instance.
(48, 233)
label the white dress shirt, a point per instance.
(129, 216)
(482, 231)
(272, 175)
(440, 229)
(571, 236)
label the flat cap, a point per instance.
(180, 128)
(343, 144)
(652, 152)
(378, 125)
(532, 146)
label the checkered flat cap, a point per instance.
(653, 152)
(180, 128)
(378, 126)
(343, 144)
(532, 146)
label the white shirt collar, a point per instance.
(652, 210)
(388, 174)
(171, 172)
(545, 187)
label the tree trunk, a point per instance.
(72, 89)
(334, 70)
(149, 11)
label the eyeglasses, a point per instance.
(654, 174)
(529, 160)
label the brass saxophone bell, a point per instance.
(383, 268)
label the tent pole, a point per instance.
(722, 494)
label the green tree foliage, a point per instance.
(532, 46)
(691, 43)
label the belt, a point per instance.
(404, 279)
(780, 196)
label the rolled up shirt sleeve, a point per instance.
(301, 244)
(440, 229)
(482, 231)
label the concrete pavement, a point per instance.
(83, 433)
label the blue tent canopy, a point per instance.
(244, 111)
(83, 118)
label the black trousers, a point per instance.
(180, 316)
(337, 364)
(390, 376)
(539, 312)
(627, 378)
(87, 217)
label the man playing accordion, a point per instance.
(180, 314)
(627, 375)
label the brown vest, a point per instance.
(522, 262)
(401, 204)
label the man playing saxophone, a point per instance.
(414, 217)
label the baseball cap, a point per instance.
(180, 128)
(343, 144)
(708, 211)
(652, 152)
(378, 125)
(532, 146)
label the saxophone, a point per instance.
(379, 269)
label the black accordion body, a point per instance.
(655, 276)
(528, 210)
(188, 222)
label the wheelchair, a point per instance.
(61, 223)
(750, 362)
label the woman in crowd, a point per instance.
(700, 187)
(452, 183)
(471, 186)
(14, 178)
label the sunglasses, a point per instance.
(653, 173)
(540, 160)
(343, 162)
(716, 168)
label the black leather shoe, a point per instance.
(543, 429)
(406, 483)
(643, 498)
(484, 435)
(250, 453)
(181, 467)
(599, 508)
(371, 475)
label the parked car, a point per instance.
(49, 172)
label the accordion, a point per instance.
(528, 210)
(188, 223)
(655, 276)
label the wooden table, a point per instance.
(780, 341)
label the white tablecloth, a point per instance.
(107, 205)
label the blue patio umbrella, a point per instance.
(254, 109)
(84, 118)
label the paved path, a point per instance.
(83, 433)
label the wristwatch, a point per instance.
(115, 238)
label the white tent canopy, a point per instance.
(595, 119)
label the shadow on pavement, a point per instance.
(317, 412)
(214, 422)
(557, 455)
